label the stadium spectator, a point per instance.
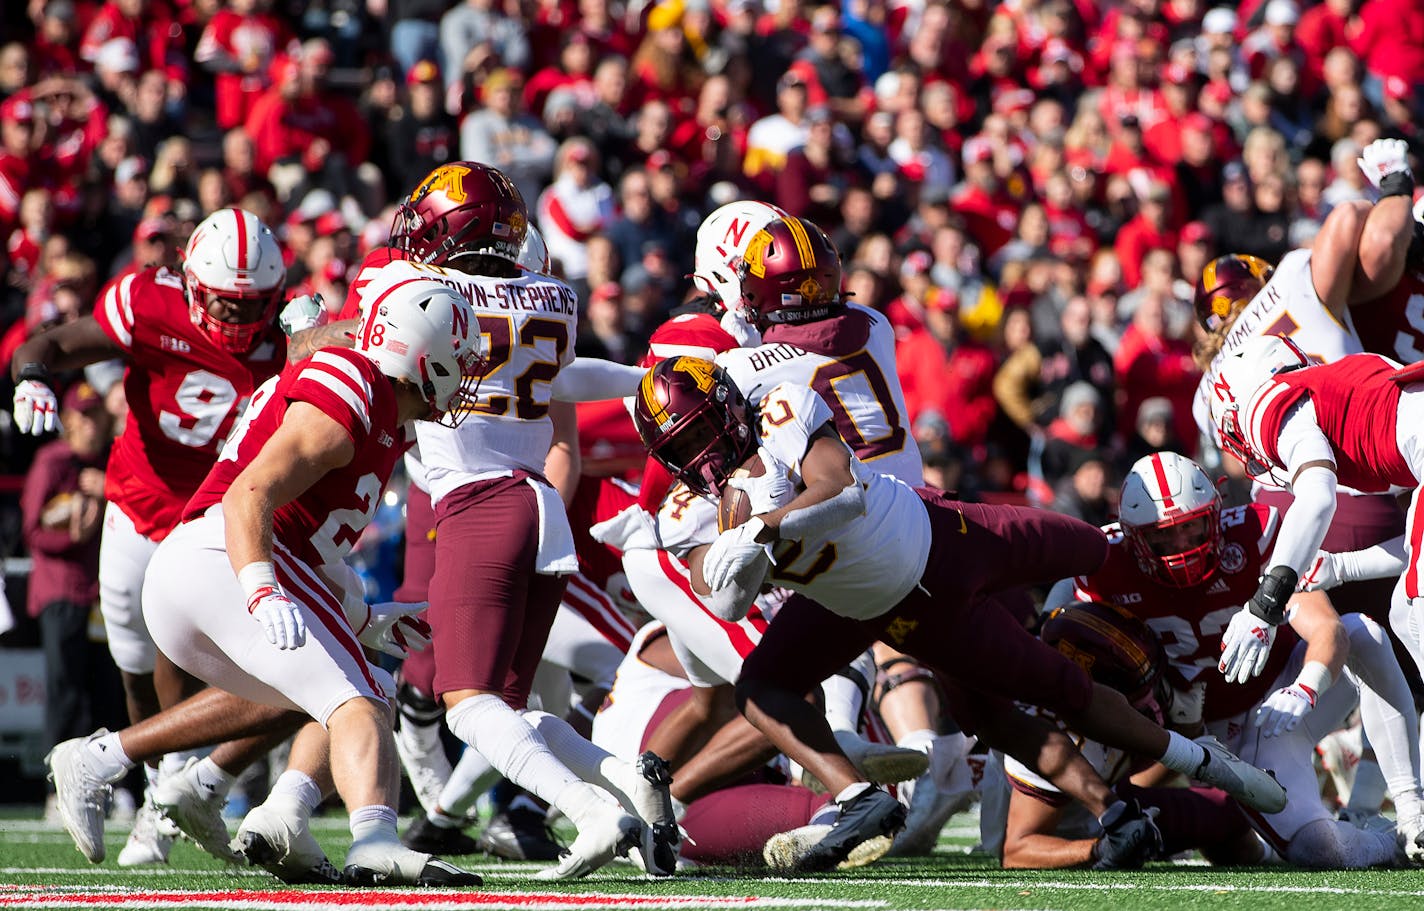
(1151, 229)
(1151, 363)
(576, 206)
(420, 136)
(503, 135)
(239, 45)
(473, 24)
(944, 371)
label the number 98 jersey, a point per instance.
(184, 393)
(529, 324)
(852, 369)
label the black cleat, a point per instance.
(1130, 837)
(519, 834)
(259, 852)
(425, 836)
(436, 873)
(870, 814)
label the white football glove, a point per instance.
(36, 408)
(1384, 157)
(734, 550)
(280, 617)
(1322, 575)
(1283, 709)
(770, 491)
(301, 313)
(735, 324)
(1245, 646)
(393, 628)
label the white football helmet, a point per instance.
(534, 253)
(1170, 513)
(422, 332)
(232, 255)
(1237, 387)
(722, 241)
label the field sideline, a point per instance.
(39, 868)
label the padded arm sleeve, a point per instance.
(1382, 561)
(818, 517)
(592, 379)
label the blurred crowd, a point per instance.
(1028, 190)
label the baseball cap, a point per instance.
(1197, 122)
(503, 78)
(942, 300)
(1282, 12)
(606, 291)
(1196, 232)
(129, 169)
(659, 160)
(1397, 88)
(151, 228)
(426, 71)
(819, 114)
(1176, 74)
(1013, 100)
(82, 397)
(1233, 171)
(118, 55)
(59, 9)
(1156, 408)
(1219, 21)
(789, 79)
(916, 263)
(977, 149)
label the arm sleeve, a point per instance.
(592, 379)
(1382, 561)
(817, 518)
(1303, 529)
(731, 602)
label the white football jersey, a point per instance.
(865, 567)
(1288, 306)
(529, 323)
(861, 388)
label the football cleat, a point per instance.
(613, 834)
(519, 833)
(653, 799)
(1130, 837)
(196, 811)
(1411, 838)
(424, 835)
(81, 795)
(870, 814)
(931, 806)
(883, 763)
(383, 862)
(277, 837)
(1245, 782)
(151, 838)
(785, 851)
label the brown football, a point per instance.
(735, 506)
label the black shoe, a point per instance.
(520, 834)
(1130, 838)
(426, 837)
(869, 814)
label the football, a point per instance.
(735, 506)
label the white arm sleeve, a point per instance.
(592, 379)
(1304, 526)
(731, 602)
(1382, 561)
(819, 517)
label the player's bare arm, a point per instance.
(306, 342)
(1314, 619)
(1335, 256)
(1030, 842)
(65, 347)
(1389, 229)
(563, 465)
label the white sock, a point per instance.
(374, 823)
(510, 744)
(1182, 755)
(175, 763)
(918, 740)
(107, 758)
(582, 803)
(470, 778)
(843, 699)
(589, 762)
(852, 792)
(212, 779)
(299, 786)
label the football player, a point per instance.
(1185, 566)
(884, 560)
(298, 480)
(196, 343)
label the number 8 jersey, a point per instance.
(529, 324)
(184, 393)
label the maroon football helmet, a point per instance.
(695, 421)
(1115, 647)
(1228, 283)
(791, 273)
(461, 209)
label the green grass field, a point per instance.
(39, 868)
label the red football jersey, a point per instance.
(1190, 621)
(322, 524)
(1356, 405)
(373, 261)
(184, 394)
(1394, 324)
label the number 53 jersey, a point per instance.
(529, 324)
(184, 393)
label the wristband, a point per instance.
(1277, 588)
(1314, 678)
(257, 578)
(1400, 183)
(34, 371)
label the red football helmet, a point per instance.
(461, 209)
(1116, 648)
(694, 421)
(1227, 284)
(790, 273)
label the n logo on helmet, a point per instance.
(449, 179)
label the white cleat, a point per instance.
(387, 862)
(883, 763)
(1245, 782)
(81, 795)
(422, 755)
(614, 833)
(652, 798)
(276, 837)
(931, 805)
(1411, 839)
(784, 851)
(151, 838)
(196, 811)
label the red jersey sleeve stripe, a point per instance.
(116, 311)
(343, 380)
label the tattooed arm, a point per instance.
(306, 342)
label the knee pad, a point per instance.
(899, 671)
(417, 707)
